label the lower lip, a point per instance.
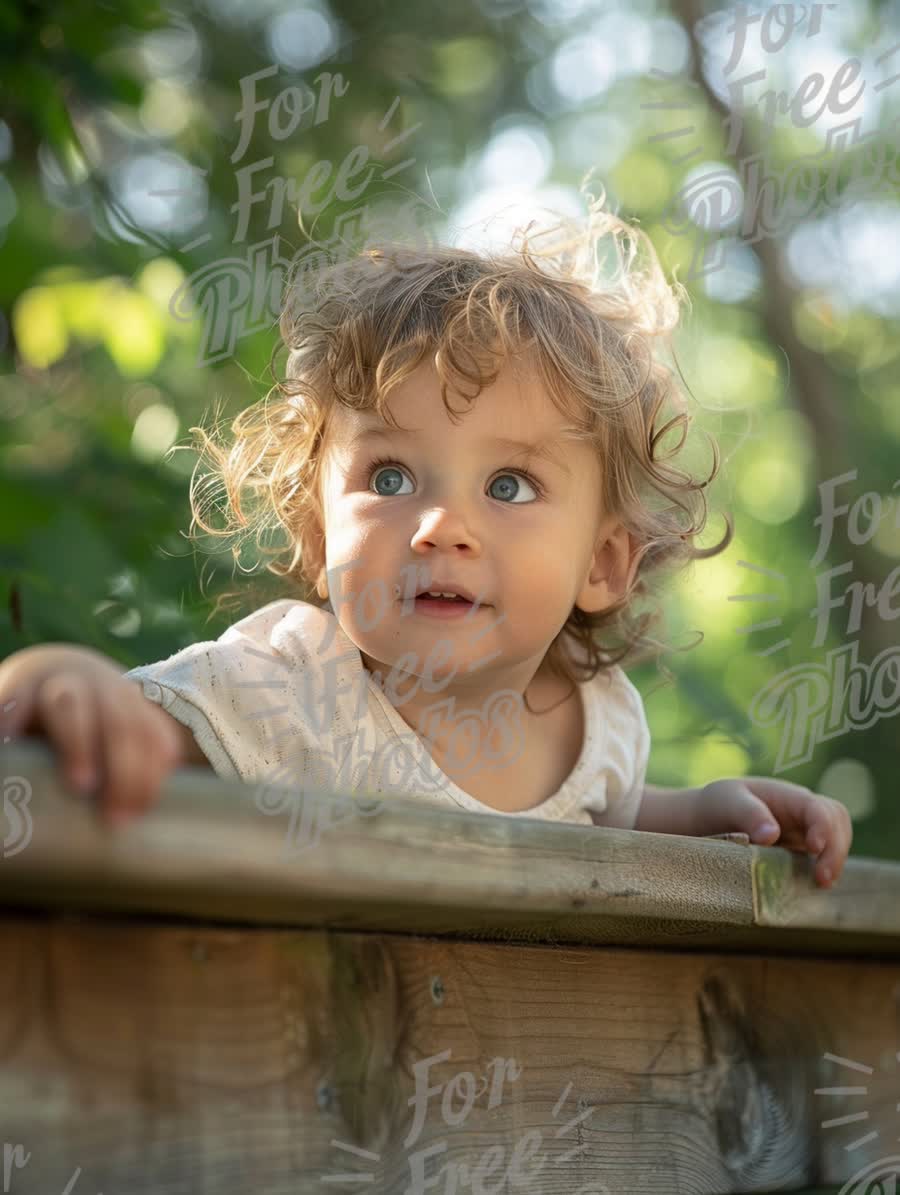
(438, 608)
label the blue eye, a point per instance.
(388, 481)
(508, 487)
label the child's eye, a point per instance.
(512, 487)
(388, 480)
(506, 486)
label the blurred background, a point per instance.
(152, 158)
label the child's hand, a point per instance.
(799, 819)
(109, 739)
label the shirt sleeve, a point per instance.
(275, 700)
(627, 752)
(173, 686)
(225, 691)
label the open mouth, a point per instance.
(429, 596)
(447, 601)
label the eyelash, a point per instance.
(382, 462)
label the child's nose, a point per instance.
(444, 530)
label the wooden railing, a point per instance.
(240, 992)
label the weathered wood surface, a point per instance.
(175, 1059)
(187, 1006)
(208, 852)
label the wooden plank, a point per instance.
(173, 1059)
(208, 852)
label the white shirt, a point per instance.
(282, 697)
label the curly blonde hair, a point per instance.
(364, 324)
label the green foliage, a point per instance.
(99, 380)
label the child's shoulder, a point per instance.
(616, 683)
(285, 620)
(305, 635)
(286, 630)
(249, 697)
(613, 697)
(609, 686)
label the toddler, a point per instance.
(467, 459)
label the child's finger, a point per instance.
(829, 838)
(126, 765)
(140, 748)
(66, 710)
(817, 836)
(836, 856)
(824, 876)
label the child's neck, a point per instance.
(481, 719)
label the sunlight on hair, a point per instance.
(583, 302)
(489, 221)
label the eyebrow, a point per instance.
(547, 449)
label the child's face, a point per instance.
(447, 506)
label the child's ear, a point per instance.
(613, 568)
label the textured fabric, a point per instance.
(282, 698)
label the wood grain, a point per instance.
(173, 1059)
(193, 1004)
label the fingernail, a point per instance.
(826, 875)
(765, 829)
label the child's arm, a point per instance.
(769, 811)
(108, 738)
(669, 811)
